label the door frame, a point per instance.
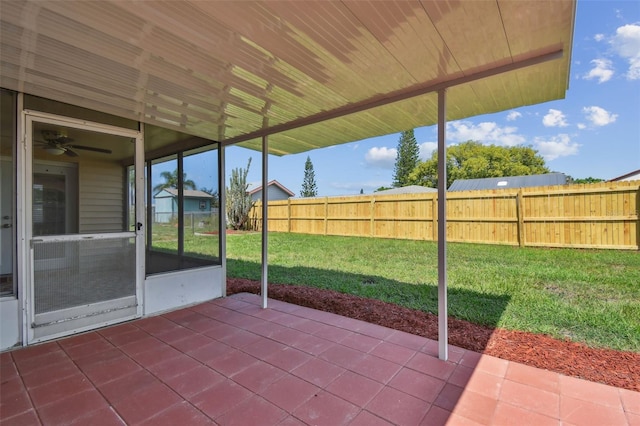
(25, 231)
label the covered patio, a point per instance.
(152, 81)
(162, 81)
(229, 361)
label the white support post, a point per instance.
(141, 223)
(265, 220)
(443, 335)
(222, 213)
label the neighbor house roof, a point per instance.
(411, 189)
(547, 179)
(628, 176)
(188, 193)
(252, 188)
(309, 74)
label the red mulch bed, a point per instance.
(615, 368)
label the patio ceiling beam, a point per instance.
(546, 55)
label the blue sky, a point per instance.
(593, 132)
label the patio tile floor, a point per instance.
(230, 362)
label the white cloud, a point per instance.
(486, 132)
(598, 37)
(554, 118)
(599, 116)
(513, 115)
(382, 157)
(426, 149)
(602, 70)
(582, 126)
(556, 146)
(626, 43)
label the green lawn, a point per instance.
(589, 296)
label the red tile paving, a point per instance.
(230, 362)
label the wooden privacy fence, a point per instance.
(602, 215)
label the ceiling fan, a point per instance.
(58, 143)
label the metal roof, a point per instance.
(188, 193)
(318, 73)
(547, 179)
(254, 187)
(627, 176)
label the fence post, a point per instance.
(434, 218)
(520, 214)
(326, 214)
(637, 217)
(373, 211)
(289, 215)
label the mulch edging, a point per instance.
(614, 368)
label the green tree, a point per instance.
(171, 181)
(215, 202)
(473, 160)
(585, 180)
(382, 188)
(406, 159)
(239, 202)
(309, 188)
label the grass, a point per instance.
(588, 296)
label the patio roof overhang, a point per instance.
(308, 74)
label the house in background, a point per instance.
(276, 191)
(634, 175)
(547, 179)
(166, 203)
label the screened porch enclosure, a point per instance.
(184, 215)
(93, 237)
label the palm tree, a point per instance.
(171, 181)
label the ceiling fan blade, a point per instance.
(69, 152)
(90, 148)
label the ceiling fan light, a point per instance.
(54, 150)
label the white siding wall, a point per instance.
(275, 194)
(102, 186)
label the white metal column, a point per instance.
(141, 218)
(222, 206)
(443, 348)
(265, 219)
